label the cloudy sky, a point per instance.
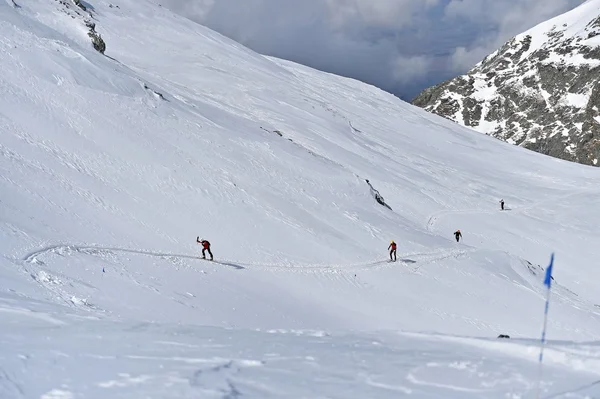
(402, 46)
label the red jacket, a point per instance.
(205, 244)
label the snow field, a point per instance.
(111, 166)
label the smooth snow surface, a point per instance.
(111, 166)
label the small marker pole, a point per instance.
(547, 283)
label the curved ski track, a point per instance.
(408, 263)
(413, 258)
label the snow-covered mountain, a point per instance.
(541, 90)
(111, 166)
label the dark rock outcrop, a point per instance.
(97, 41)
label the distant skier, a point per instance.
(502, 204)
(457, 235)
(392, 249)
(205, 247)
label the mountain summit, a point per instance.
(541, 90)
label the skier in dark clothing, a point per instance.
(457, 235)
(392, 249)
(205, 247)
(502, 204)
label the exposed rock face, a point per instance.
(80, 5)
(84, 12)
(97, 41)
(541, 90)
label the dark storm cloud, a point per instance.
(401, 46)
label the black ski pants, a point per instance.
(204, 252)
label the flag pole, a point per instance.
(547, 283)
(543, 344)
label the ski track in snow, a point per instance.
(336, 275)
(435, 217)
(420, 259)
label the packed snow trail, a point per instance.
(93, 250)
(409, 258)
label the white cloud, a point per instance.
(399, 45)
(406, 69)
(463, 59)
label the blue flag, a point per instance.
(548, 279)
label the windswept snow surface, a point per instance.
(111, 166)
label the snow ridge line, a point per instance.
(424, 258)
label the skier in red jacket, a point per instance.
(205, 247)
(392, 249)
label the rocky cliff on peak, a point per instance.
(540, 90)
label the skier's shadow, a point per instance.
(234, 265)
(229, 264)
(224, 263)
(408, 261)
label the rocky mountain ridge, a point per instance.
(541, 90)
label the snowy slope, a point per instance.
(111, 166)
(540, 90)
